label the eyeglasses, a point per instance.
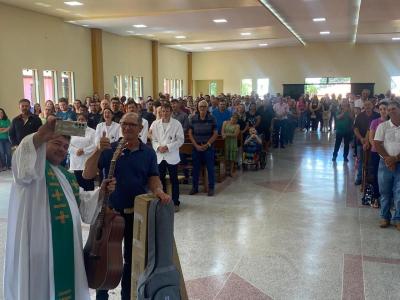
(130, 125)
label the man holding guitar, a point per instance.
(136, 172)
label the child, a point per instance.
(252, 146)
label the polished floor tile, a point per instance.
(296, 230)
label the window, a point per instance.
(395, 85)
(50, 85)
(67, 85)
(117, 85)
(262, 86)
(327, 85)
(212, 89)
(31, 85)
(246, 87)
(137, 87)
(174, 87)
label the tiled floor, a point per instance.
(295, 230)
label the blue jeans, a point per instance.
(360, 155)
(389, 188)
(200, 158)
(5, 153)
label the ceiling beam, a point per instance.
(357, 18)
(273, 11)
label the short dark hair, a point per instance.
(115, 99)
(174, 100)
(166, 105)
(396, 103)
(107, 109)
(131, 101)
(82, 115)
(24, 100)
(65, 100)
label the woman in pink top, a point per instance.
(374, 161)
(302, 112)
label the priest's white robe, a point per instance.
(29, 252)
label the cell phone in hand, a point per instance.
(71, 128)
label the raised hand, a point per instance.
(104, 142)
(45, 132)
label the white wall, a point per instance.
(362, 62)
(36, 41)
(126, 56)
(172, 64)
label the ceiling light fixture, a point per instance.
(42, 4)
(263, 45)
(139, 34)
(325, 32)
(207, 48)
(139, 26)
(130, 31)
(245, 33)
(357, 17)
(395, 38)
(220, 21)
(73, 3)
(179, 45)
(150, 35)
(267, 5)
(319, 19)
(73, 22)
(180, 37)
(62, 10)
(85, 25)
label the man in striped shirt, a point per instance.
(202, 134)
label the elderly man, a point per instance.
(202, 134)
(167, 137)
(136, 171)
(44, 257)
(387, 144)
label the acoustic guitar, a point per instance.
(103, 249)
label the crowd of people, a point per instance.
(249, 126)
(153, 131)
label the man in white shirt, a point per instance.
(167, 137)
(359, 103)
(281, 109)
(387, 144)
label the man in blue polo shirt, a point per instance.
(221, 114)
(136, 171)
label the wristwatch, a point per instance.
(209, 145)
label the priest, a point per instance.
(44, 256)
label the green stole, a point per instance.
(62, 233)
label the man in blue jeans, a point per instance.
(202, 134)
(387, 144)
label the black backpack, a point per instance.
(160, 279)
